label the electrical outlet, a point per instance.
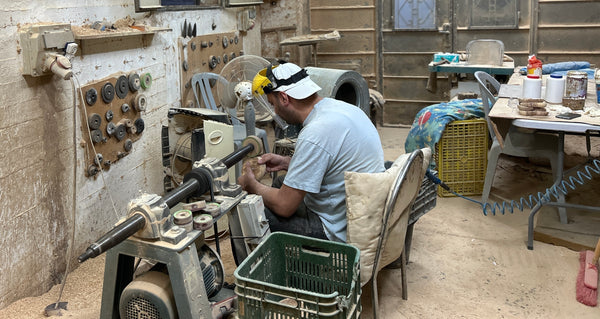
(41, 44)
(246, 19)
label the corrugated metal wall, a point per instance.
(555, 30)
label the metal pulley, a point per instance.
(111, 128)
(97, 136)
(94, 121)
(91, 96)
(128, 145)
(134, 82)
(98, 159)
(225, 42)
(92, 170)
(139, 126)
(122, 87)
(212, 63)
(108, 92)
(120, 132)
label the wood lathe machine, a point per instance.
(187, 278)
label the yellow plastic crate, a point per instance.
(461, 157)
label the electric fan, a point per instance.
(236, 92)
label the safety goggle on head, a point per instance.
(265, 82)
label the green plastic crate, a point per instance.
(461, 157)
(291, 276)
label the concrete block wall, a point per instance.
(37, 147)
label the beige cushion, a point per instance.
(366, 195)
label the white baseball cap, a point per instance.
(301, 89)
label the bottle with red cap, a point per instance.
(534, 66)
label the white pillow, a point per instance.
(366, 194)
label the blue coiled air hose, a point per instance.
(557, 190)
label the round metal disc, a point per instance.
(92, 170)
(125, 108)
(96, 136)
(109, 115)
(91, 96)
(128, 145)
(108, 92)
(139, 125)
(212, 63)
(94, 121)
(146, 81)
(120, 132)
(122, 87)
(111, 128)
(134, 82)
(225, 42)
(98, 159)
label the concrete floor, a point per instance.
(462, 264)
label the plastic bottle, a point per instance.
(534, 66)
(532, 87)
(555, 88)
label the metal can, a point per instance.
(576, 85)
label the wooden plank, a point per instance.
(351, 42)
(316, 4)
(342, 19)
(581, 232)
(111, 148)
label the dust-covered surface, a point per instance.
(462, 264)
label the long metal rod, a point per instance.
(237, 156)
(116, 235)
(182, 192)
(199, 180)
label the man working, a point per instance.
(336, 137)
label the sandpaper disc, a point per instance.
(253, 140)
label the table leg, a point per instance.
(562, 211)
(534, 211)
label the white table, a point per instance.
(503, 111)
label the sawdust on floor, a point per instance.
(462, 263)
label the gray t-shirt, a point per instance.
(336, 137)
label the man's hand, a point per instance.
(247, 179)
(282, 201)
(274, 162)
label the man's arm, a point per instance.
(282, 201)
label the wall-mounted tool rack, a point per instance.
(113, 116)
(206, 53)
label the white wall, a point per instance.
(36, 138)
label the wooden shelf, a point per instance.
(82, 33)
